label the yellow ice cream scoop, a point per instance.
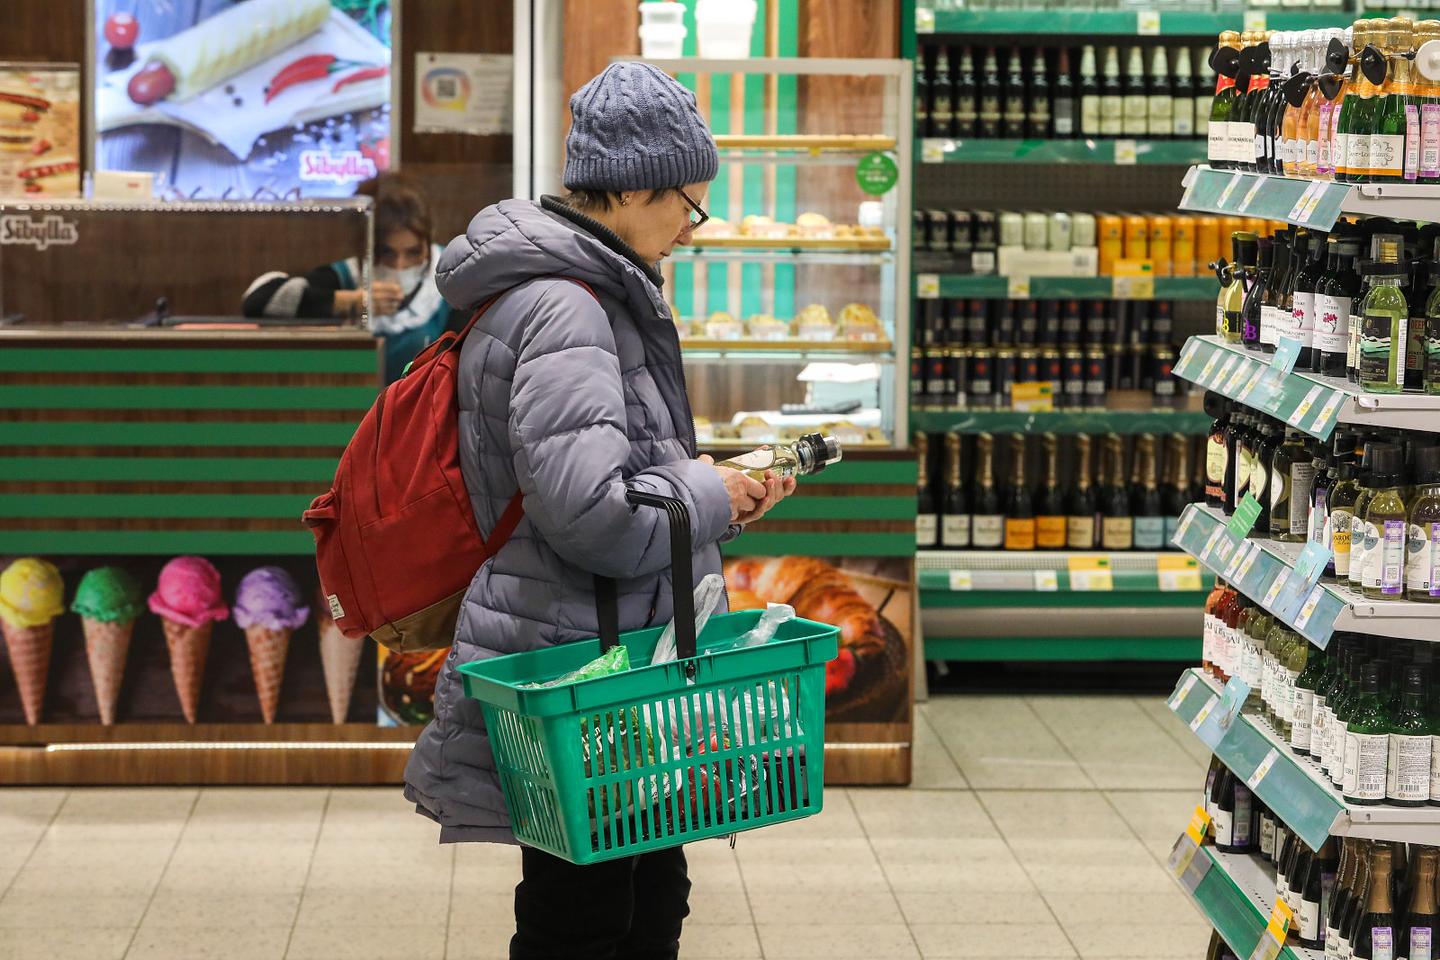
(31, 593)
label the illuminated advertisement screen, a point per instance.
(244, 98)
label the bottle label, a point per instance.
(1302, 483)
(1149, 533)
(1377, 358)
(1387, 155)
(1435, 768)
(1182, 117)
(1432, 353)
(1136, 115)
(1242, 142)
(1415, 348)
(1409, 763)
(1392, 558)
(1304, 318)
(988, 531)
(1412, 141)
(1322, 141)
(1422, 561)
(1020, 534)
(1366, 756)
(1287, 324)
(1112, 115)
(1244, 812)
(926, 526)
(1269, 324)
(1370, 554)
(955, 530)
(1421, 939)
(1357, 154)
(1080, 533)
(1352, 346)
(1219, 320)
(1382, 943)
(1207, 639)
(1172, 526)
(1117, 533)
(1278, 489)
(1252, 669)
(1224, 822)
(1267, 836)
(1316, 524)
(1339, 145)
(1332, 323)
(1340, 523)
(1215, 460)
(1300, 724)
(1090, 115)
(1159, 119)
(1050, 533)
(1309, 920)
(1317, 725)
(1430, 140)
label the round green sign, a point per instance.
(877, 173)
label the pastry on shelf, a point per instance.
(858, 322)
(845, 432)
(763, 326)
(874, 233)
(722, 326)
(716, 228)
(761, 227)
(757, 430)
(815, 226)
(813, 323)
(704, 430)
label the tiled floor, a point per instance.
(1037, 827)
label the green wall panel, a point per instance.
(185, 360)
(80, 397)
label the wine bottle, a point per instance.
(1376, 939)
(991, 94)
(1422, 560)
(1304, 300)
(1216, 454)
(1145, 505)
(1112, 96)
(1066, 99)
(1387, 138)
(1245, 276)
(967, 116)
(1176, 493)
(1019, 504)
(1050, 512)
(1252, 315)
(1352, 923)
(1236, 478)
(1292, 477)
(987, 520)
(1344, 711)
(1117, 529)
(942, 96)
(1335, 304)
(1386, 527)
(1345, 878)
(1367, 744)
(1182, 97)
(1385, 320)
(1210, 628)
(1287, 324)
(1204, 79)
(1408, 763)
(1217, 127)
(1322, 463)
(955, 522)
(1013, 120)
(1275, 280)
(1271, 436)
(1212, 773)
(1136, 113)
(1089, 94)
(1357, 112)
(1082, 505)
(1421, 920)
(809, 455)
(1343, 494)
(1159, 94)
(1302, 726)
(1316, 898)
(926, 520)
(1302, 863)
(1038, 118)
(922, 96)
(1232, 813)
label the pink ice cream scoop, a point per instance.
(269, 597)
(189, 592)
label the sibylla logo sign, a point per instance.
(349, 166)
(53, 231)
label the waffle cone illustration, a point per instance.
(30, 660)
(340, 656)
(189, 647)
(268, 649)
(107, 647)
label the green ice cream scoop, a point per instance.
(109, 593)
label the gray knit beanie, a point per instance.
(635, 128)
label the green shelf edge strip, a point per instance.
(167, 469)
(88, 359)
(150, 397)
(846, 544)
(1230, 910)
(1085, 420)
(1309, 203)
(867, 471)
(1082, 151)
(844, 508)
(165, 433)
(187, 505)
(940, 598)
(1309, 404)
(994, 286)
(1071, 649)
(157, 542)
(1172, 23)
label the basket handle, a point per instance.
(607, 606)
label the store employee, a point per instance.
(407, 309)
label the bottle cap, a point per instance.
(1370, 678)
(1387, 464)
(1427, 464)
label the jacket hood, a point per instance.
(515, 241)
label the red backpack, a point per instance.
(396, 542)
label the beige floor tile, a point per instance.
(1157, 818)
(1079, 908)
(1079, 852)
(796, 940)
(922, 813)
(26, 811)
(1180, 937)
(961, 854)
(355, 865)
(765, 878)
(241, 813)
(932, 767)
(777, 907)
(59, 910)
(216, 943)
(66, 943)
(947, 906)
(103, 814)
(118, 869)
(999, 743)
(1045, 814)
(719, 907)
(1158, 710)
(1136, 877)
(211, 908)
(714, 874)
(479, 941)
(712, 941)
(835, 821)
(1008, 940)
(357, 906)
(229, 866)
(993, 877)
(356, 813)
(409, 942)
(1116, 742)
(839, 853)
(485, 867)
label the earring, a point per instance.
(624, 200)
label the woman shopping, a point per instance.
(571, 390)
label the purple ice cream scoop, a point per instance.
(269, 597)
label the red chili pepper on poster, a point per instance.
(317, 66)
(360, 76)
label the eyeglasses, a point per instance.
(698, 210)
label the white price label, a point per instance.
(1308, 610)
(1187, 354)
(1309, 209)
(924, 20)
(1235, 560)
(1046, 581)
(1242, 373)
(1262, 768)
(1209, 367)
(1225, 547)
(1305, 404)
(1250, 195)
(1204, 712)
(1254, 21)
(1125, 153)
(1332, 403)
(1017, 288)
(1254, 381)
(1185, 197)
(1184, 525)
(960, 580)
(1304, 198)
(927, 286)
(932, 150)
(1215, 536)
(1178, 697)
(1225, 368)
(1276, 587)
(1250, 559)
(1147, 23)
(1229, 190)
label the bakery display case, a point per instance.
(790, 301)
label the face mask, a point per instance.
(407, 280)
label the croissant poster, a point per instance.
(243, 99)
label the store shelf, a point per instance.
(1108, 152)
(1309, 203)
(1057, 571)
(1307, 401)
(1294, 787)
(793, 244)
(995, 287)
(1169, 23)
(1235, 893)
(1253, 566)
(1081, 420)
(700, 348)
(808, 257)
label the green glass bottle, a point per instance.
(1422, 555)
(1244, 273)
(1281, 707)
(1252, 661)
(1408, 783)
(1385, 320)
(1358, 545)
(1386, 526)
(1342, 510)
(1301, 679)
(1430, 379)
(1355, 90)
(1312, 683)
(1367, 743)
(1387, 140)
(1362, 117)
(1292, 478)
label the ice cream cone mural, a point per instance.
(340, 656)
(188, 602)
(31, 597)
(108, 600)
(267, 607)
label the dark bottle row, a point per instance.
(982, 492)
(980, 322)
(1035, 93)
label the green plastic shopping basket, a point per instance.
(716, 742)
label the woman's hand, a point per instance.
(348, 303)
(776, 489)
(385, 297)
(745, 493)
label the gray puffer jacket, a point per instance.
(568, 400)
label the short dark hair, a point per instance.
(399, 205)
(586, 200)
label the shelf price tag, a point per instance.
(1235, 560)
(961, 580)
(1278, 585)
(927, 286)
(1243, 372)
(1184, 865)
(1250, 559)
(1125, 153)
(1133, 280)
(1302, 619)
(1272, 940)
(1254, 20)
(1262, 768)
(1235, 180)
(1017, 288)
(1304, 406)
(1209, 367)
(932, 150)
(1187, 355)
(1199, 825)
(1147, 23)
(1177, 574)
(1232, 698)
(1182, 691)
(1322, 419)
(925, 20)
(1046, 581)
(1308, 210)
(1242, 521)
(1209, 548)
(1185, 519)
(1315, 187)
(1203, 713)
(1250, 195)
(1090, 574)
(1225, 368)
(1311, 562)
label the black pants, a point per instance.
(626, 909)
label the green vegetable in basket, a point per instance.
(614, 660)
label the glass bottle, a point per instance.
(991, 94)
(922, 97)
(1345, 875)
(1316, 524)
(1145, 506)
(1176, 494)
(1263, 471)
(1081, 508)
(987, 522)
(1064, 125)
(1287, 323)
(1303, 299)
(967, 88)
(1306, 682)
(1351, 93)
(1117, 527)
(1423, 916)
(1362, 120)
(1217, 132)
(1388, 142)
(1417, 294)
(1112, 96)
(1012, 124)
(1019, 504)
(1215, 454)
(1376, 938)
(1234, 477)
(1037, 118)
(1344, 710)
(1292, 476)
(1244, 278)
(1385, 320)
(1422, 557)
(1367, 743)
(955, 512)
(1050, 515)
(1428, 98)
(1359, 545)
(926, 519)
(1089, 94)
(1254, 312)
(1430, 379)
(1343, 494)
(1183, 95)
(1386, 527)
(1278, 277)
(809, 455)
(1160, 119)
(1408, 766)
(1208, 631)
(1334, 306)
(1352, 923)
(942, 96)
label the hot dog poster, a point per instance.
(39, 130)
(244, 98)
